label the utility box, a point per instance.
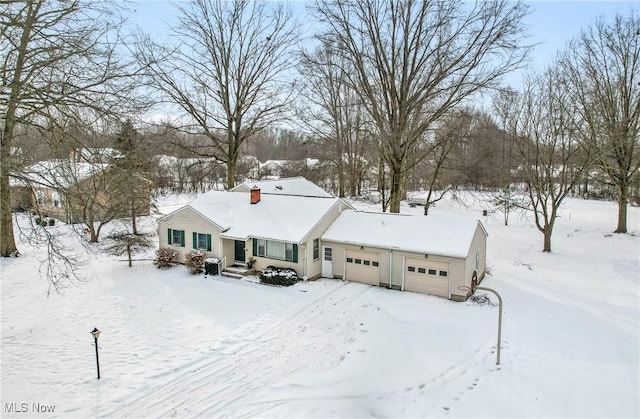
(211, 266)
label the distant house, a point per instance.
(292, 224)
(284, 186)
(64, 189)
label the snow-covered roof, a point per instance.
(58, 173)
(434, 234)
(276, 217)
(286, 186)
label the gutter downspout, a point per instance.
(390, 269)
(304, 263)
(449, 279)
(404, 263)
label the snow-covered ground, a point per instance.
(178, 345)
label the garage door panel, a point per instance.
(427, 277)
(362, 267)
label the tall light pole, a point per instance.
(95, 332)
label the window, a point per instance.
(328, 254)
(411, 268)
(349, 260)
(358, 261)
(374, 263)
(55, 197)
(275, 250)
(202, 241)
(443, 273)
(176, 237)
(40, 197)
(288, 251)
(477, 261)
(422, 271)
(366, 262)
(316, 249)
(432, 272)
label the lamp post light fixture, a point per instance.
(96, 333)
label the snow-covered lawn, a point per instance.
(173, 344)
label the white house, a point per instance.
(265, 229)
(290, 223)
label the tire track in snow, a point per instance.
(216, 387)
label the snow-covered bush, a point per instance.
(278, 276)
(165, 258)
(195, 262)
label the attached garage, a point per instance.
(362, 267)
(427, 277)
(437, 254)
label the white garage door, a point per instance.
(427, 277)
(362, 267)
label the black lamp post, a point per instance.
(95, 332)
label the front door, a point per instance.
(327, 262)
(239, 251)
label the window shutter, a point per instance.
(182, 238)
(295, 253)
(208, 242)
(169, 237)
(195, 240)
(255, 247)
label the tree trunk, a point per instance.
(231, 173)
(134, 225)
(396, 190)
(547, 239)
(622, 209)
(129, 255)
(7, 239)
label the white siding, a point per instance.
(478, 245)
(189, 221)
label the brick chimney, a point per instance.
(255, 195)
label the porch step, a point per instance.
(231, 274)
(241, 270)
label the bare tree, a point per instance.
(603, 72)
(334, 114)
(228, 72)
(56, 58)
(551, 157)
(415, 60)
(125, 243)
